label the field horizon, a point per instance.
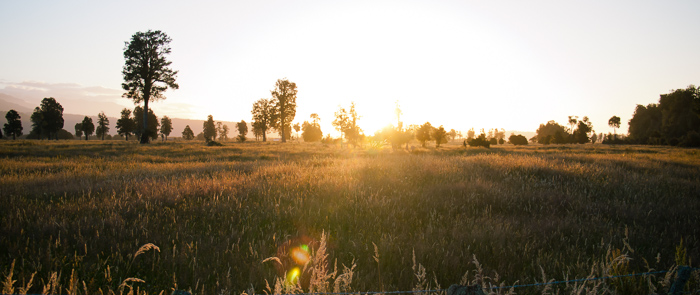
(85, 217)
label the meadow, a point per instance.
(117, 217)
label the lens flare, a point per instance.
(301, 255)
(293, 276)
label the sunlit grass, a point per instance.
(82, 210)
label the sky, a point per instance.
(460, 64)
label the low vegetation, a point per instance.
(88, 217)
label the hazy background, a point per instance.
(461, 64)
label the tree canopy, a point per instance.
(13, 127)
(147, 73)
(209, 129)
(675, 120)
(47, 119)
(126, 124)
(166, 126)
(87, 127)
(242, 127)
(284, 97)
(153, 124)
(102, 123)
(187, 134)
(263, 113)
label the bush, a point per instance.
(214, 143)
(692, 139)
(479, 141)
(517, 139)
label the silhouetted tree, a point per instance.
(13, 127)
(219, 130)
(153, 124)
(166, 126)
(257, 130)
(263, 113)
(126, 124)
(346, 122)
(645, 125)
(102, 123)
(551, 133)
(284, 97)
(79, 130)
(423, 134)
(614, 122)
(147, 73)
(224, 132)
(187, 134)
(0, 134)
(209, 129)
(47, 118)
(517, 139)
(594, 138)
(242, 127)
(88, 127)
(585, 127)
(480, 140)
(679, 115)
(439, 135)
(38, 123)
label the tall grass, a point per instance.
(75, 216)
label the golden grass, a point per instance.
(75, 211)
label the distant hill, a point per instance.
(8, 102)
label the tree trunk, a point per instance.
(144, 136)
(264, 136)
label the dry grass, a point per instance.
(79, 214)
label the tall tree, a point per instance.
(585, 127)
(263, 113)
(126, 124)
(678, 114)
(645, 125)
(79, 130)
(424, 132)
(224, 132)
(209, 129)
(166, 126)
(153, 124)
(47, 118)
(614, 122)
(346, 122)
(88, 127)
(242, 127)
(284, 96)
(147, 73)
(187, 134)
(102, 123)
(38, 129)
(13, 127)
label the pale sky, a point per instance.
(461, 64)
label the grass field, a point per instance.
(74, 214)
